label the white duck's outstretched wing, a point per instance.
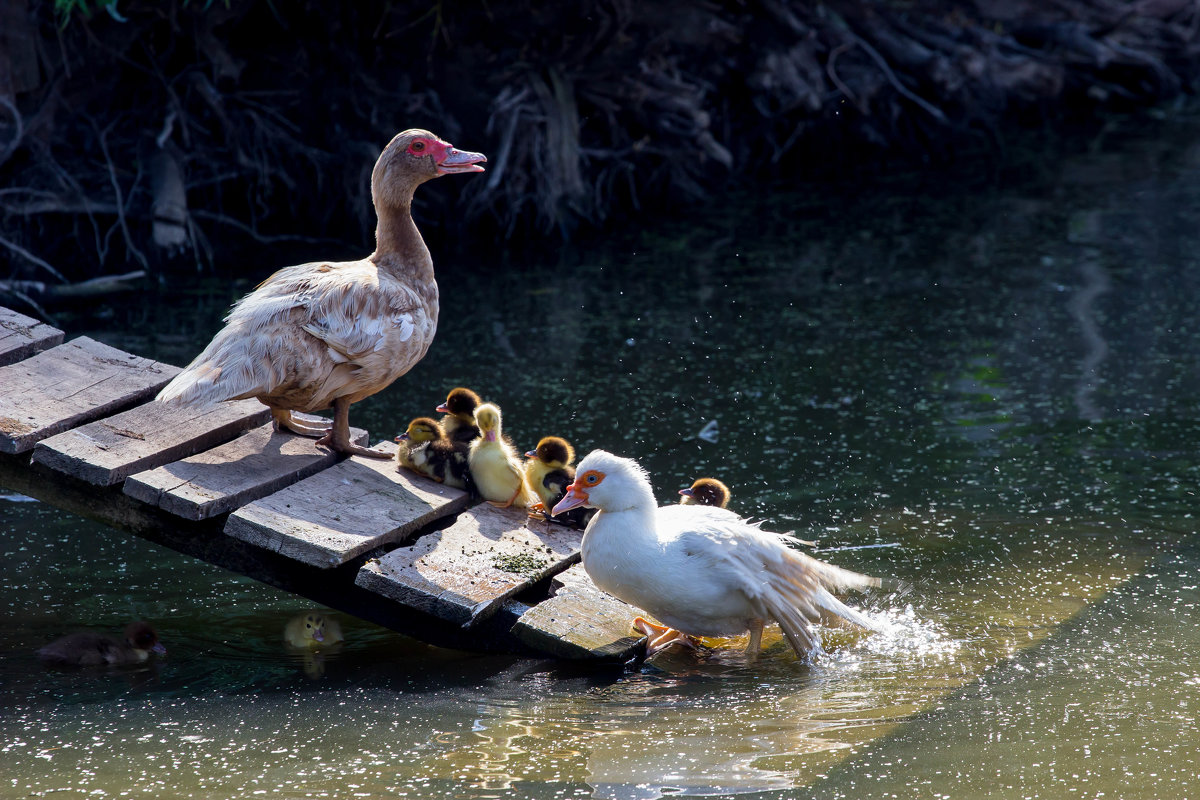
(782, 584)
(298, 327)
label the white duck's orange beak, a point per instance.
(576, 497)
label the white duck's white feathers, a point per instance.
(311, 333)
(701, 570)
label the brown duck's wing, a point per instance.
(300, 326)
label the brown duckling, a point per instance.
(705, 492)
(548, 472)
(425, 449)
(711, 492)
(94, 649)
(495, 466)
(459, 420)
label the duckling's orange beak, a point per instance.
(575, 497)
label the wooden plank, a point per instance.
(22, 336)
(69, 385)
(579, 621)
(345, 511)
(250, 467)
(465, 572)
(108, 451)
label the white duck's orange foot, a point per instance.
(286, 420)
(659, 637)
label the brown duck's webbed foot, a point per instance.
(659, 637)
(338, 437)
(286, 420)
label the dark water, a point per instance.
(983, 387)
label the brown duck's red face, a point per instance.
(446, 159)
(410, 159)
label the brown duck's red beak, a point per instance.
(460, 161)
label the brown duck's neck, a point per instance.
(399, 247)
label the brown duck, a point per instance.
(328, 333)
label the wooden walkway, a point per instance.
(79, 430)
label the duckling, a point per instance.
(425, 449)
(494, 463)
(548, 472)
(705, 492)
(312, 631)
(714, 494)
(96, 650)
(459, 421)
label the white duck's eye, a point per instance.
(591, 478)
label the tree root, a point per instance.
(587, 110)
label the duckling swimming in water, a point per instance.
(95, 650)
(495, 467)
(706, 492)
(425, 449)
(312, 631)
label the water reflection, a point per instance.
(988, 396)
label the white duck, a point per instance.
(701, 570)
(330, 333)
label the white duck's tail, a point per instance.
(800, 595)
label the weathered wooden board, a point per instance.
(465, 572)
(579, 621)
(108, 451)
(344, 511)
(69, 385)
(252, 466)
(22, 336)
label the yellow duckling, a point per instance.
(312, 631)
(459, 421)
(705, 492)
(425, 449)
(548, 472)
(495, 467)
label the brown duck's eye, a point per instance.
(418, 146)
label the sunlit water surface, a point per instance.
(985, 391)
